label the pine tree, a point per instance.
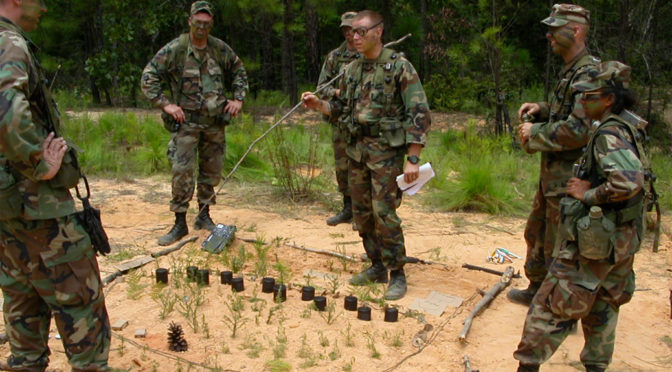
(176, 341)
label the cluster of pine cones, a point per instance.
(176, 341)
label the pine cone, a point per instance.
(176, 341)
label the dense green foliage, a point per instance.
(469, 53)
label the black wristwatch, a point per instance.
(413, 159)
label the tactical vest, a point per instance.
(181, 56)
(383, 88)
(627, 210)
(45, 114)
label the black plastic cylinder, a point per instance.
(280, 293)
(237, 284)
(191, 273)
(267, 285)
(364, 313)
(225, 277)
(203, 277)
(162, 275)
(391, 314)
(307, 293)
(320, 303)
(350, 303)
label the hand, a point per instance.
(311, 101)
(524, 131)
(337, 93)
(529, 108)
(233, 107)
(53, 150)
(176, 112)
(411, 172)
(577, 187)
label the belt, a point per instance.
(198, 118)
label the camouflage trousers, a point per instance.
(540, 233)
(569, 293)
(341, 159)
(210, 143)
(375, 198)
(37, 283)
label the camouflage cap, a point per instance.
(201, 6)
(606, 74)
(346, 19)
(561, 14)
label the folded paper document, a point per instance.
(426, 174)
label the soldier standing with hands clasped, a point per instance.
(47, 264)
(591, 275)
(334, 65)
(560, 132)
(385, 109)
(194, 65)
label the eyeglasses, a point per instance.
(362, 31)
(591, 96)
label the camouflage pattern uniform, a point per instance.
(47, 264)
(196, 80)
(385, 108)
(333, 66)
(561, 135)
(591, 277)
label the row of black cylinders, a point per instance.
(279, 291)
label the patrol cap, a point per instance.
(606, 74)
(561, 14)
(346, 19)
(202, 6)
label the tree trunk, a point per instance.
(93, 43)
(549, 56)
(312, 44)
(288, 67)
(424, 58)
(623, 29)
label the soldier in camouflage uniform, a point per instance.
(333, 66)
(195, 65)
(47, 264)
(560, 133)
(592, 276)
(385, 108)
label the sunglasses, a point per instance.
(202, 25)
(591, 96)
(362, 31)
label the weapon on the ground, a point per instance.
(485, 301)
(490, 271)
(290, 112)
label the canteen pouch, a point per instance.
(68, 175)
(393, 132)
(11, 203)
(595, 236)
(169, 122)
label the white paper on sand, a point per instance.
(426, 174)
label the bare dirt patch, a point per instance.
(136, 213)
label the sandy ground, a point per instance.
(136, 213)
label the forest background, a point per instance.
(482, 58)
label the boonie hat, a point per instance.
(201, 6)
(346, 19)
(606, 74)
(561, 14)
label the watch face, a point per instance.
(413, 159)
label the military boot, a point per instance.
(345, 215)
(397, 287)
(14, 364)
(203, 220)
(178, 230)
(524, 296)
(377, 273)
(594, 368)
(528, 368)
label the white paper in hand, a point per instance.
(426, 174)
